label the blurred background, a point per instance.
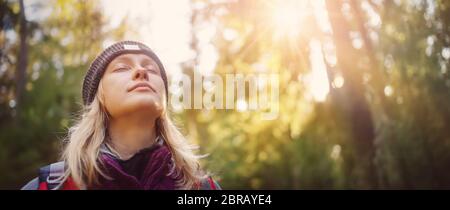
(364, 85)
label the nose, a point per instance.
(140, 74)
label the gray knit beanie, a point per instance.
(98, 66)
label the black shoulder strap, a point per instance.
(52, 175)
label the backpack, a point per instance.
(50, 178)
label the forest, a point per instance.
(364, 88)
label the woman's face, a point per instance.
(131, 83)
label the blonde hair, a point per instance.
(81, 154)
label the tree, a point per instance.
(60, 49)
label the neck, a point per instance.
(131, 133)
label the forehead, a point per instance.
(133, 57)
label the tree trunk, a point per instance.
(377, 81)
(355, 106)
(22, 59)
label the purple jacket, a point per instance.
(154, 166)
(150, 169)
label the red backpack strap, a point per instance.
(69, 184)
(209, 184)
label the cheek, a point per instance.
(113, 93)
(158, 83)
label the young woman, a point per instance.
(125, 138)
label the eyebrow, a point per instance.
(122, 59)
(147, 61)
(127, 60)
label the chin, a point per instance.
(137, 104)
(147, 102)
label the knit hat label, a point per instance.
(131, 47)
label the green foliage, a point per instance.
(313, 145)
(60, 49)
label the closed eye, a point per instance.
(119, 69)
(151, 69)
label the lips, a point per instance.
(141, 84)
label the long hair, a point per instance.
(84, 139)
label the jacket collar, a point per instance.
(106, 149)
